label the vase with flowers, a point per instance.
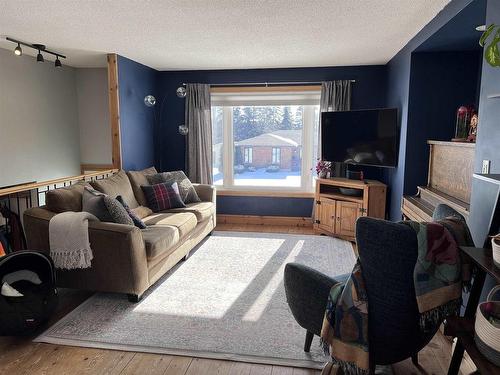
(323, 167)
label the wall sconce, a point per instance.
(181, 92)
(149, 100)
(183, 129)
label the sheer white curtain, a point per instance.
(199, 139)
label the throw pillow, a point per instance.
(186, 188)
(117, 184)
(163, 196)
(117, 211)
(136, 219)
(138, 179)
(66, 198)
(93, 202)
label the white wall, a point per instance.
(93, 115)
(39, 136)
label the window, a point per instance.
(264, 140)
(248, 155)
(276, 158)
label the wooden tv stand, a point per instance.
(336, 212)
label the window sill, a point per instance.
(263, 193)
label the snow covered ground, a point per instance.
(262, 178)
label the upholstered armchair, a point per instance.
(388, 253)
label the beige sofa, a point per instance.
(126, 259)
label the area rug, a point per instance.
(227, 301)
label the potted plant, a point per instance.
(323, 167)
(492, 50)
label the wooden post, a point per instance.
(114, 110)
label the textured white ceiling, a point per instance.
(220, 34)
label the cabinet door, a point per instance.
(347, 214)
(325, 214)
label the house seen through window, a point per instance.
(260, 144)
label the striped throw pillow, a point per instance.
(163, 196)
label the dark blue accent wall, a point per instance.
(135, 81)
(269, 206)
(440, 82)
(447, 28)
(368, 92)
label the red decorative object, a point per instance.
(464, 116)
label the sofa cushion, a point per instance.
(142, 211)
(202, 210)
(163, 196)
(138, 179)
(186, 188)
(93, 202)
(117, 184)
(66, 198)
(160, 240)
(185, 222)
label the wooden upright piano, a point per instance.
(451, 166)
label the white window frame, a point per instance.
(308, 100)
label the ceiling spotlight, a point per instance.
(39, 57)
(57, 63)
(18, 50)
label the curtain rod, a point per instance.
(267, 84)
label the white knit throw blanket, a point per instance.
(69, 240)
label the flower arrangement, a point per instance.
(323, 167)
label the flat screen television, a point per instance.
(364, 137)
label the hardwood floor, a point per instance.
(22, 356)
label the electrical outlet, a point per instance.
(486, 167)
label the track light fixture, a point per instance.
(39, 57)
(40, 48)
(18, 51)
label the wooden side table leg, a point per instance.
(475, 294)
(470, 310)
(456, 359)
